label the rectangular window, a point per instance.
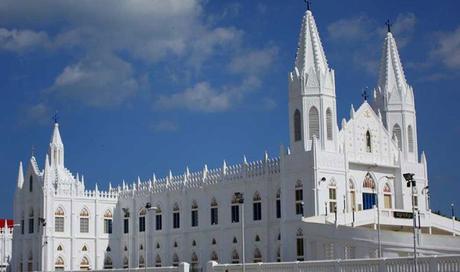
(22, 226)
(332, 200)
(214, 216)
(126, 225)
(257, 211)
(195, 218)
(299, 201)
(108, 226)
(59, 224)
(235, 213)
(387, 201)
(278, 208)
(31, 225)
(158, 224)
(84, 225)
(142, 224)
(176, 220)
(300, 251)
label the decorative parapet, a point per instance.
(245, 170)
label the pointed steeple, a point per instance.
(56, 149)
(310, 52)
(391, 75)
(20, 176)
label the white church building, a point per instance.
(337, 191)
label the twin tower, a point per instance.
(312, 98)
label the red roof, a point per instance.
(10, 223)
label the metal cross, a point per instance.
(55, 117)
(364, 94)
(308, 4)
(388, 24)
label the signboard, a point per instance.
(403, 215)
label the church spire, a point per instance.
(391, 75)
(56, 149)
(310, 52)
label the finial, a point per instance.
(388, 24)
(308, 4)
(364, 94)
(55, 117)
(33, 151)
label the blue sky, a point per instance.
(148, 86)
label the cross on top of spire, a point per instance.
(55, 117)
(364, 94)
(388, 24)
(308, 4)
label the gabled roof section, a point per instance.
(391, 75)
(310, 52)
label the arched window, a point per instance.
(300, 245)
(235, 208)
(31, 183)
(369, 197)
(84, 248)
(84, 221)
(59, 264)
(158, 219)
(332, 197)
(60, 248)
(125, 262)
(257, 239)
(235, 257)
(175, 244)
(158, 245)
(214, 212)
(368, 142)
(387, 196)
(329, 123)
(235, 240)
(84, 264)
(108, 221)
(214, 256)
(213, 242)
(397, 135)
(175, 260)
(108, 249)
(59, 220)
(194, 213)
(257, 256)
(193, 243)
(410, 138)
(297, 126)
(299, 198)
(142, 214)
(158, 261)
(141, 261)
(194, 262)
(31, 221)
(352, 190)
(278, 203)
(108, 264)
(313, 126)
(176, 216)
(141, 247)
(278, 254)
(256, 207)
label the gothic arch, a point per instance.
(410, 139)
(397, 135)
(313, 125)
(329, 127)
(297, 126)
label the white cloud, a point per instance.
(202, 97)
(99, 81)
(363, 38)
(448, 49)
(350, 29)
(22, 40)
(254, 62)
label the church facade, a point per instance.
(335, 192)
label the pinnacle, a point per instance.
(310, 52)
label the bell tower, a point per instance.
(312, 101)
